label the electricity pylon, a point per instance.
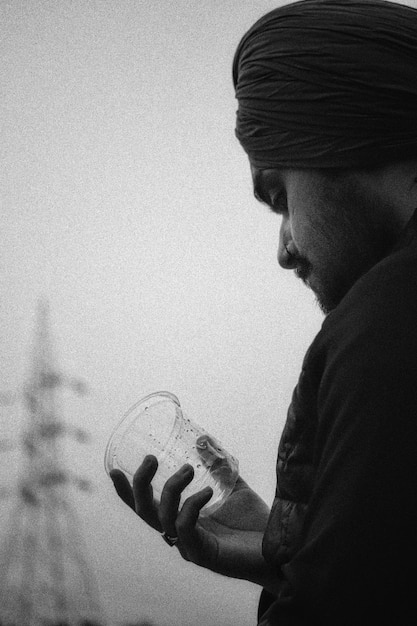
(45, 579)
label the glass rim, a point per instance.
(165, 394)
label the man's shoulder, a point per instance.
(378, 314)
(387, 293)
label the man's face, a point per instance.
(332, 229)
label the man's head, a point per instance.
(327, 94)
(337, 224)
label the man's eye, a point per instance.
(279, 203)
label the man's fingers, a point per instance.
(143, 493)
(190, 542)
(123, 488)
(190, 511)
(170, 498)
(165, 516)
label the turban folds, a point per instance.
(328, 83)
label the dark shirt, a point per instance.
(342, 533)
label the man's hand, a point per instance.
(228, 542)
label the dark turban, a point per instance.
(328, 83)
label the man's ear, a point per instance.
(413, 187)
(415, 178)
(404, 181)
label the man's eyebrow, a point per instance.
(263, 186)
(261, 195)
(258, 190)
(258, 196)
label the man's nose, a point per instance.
(286, 249)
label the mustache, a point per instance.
(303, 268)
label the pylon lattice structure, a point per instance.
(45, 579)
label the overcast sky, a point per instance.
(126, 201)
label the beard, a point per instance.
(347, 245)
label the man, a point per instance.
(327, 93)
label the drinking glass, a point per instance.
(157, 425)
